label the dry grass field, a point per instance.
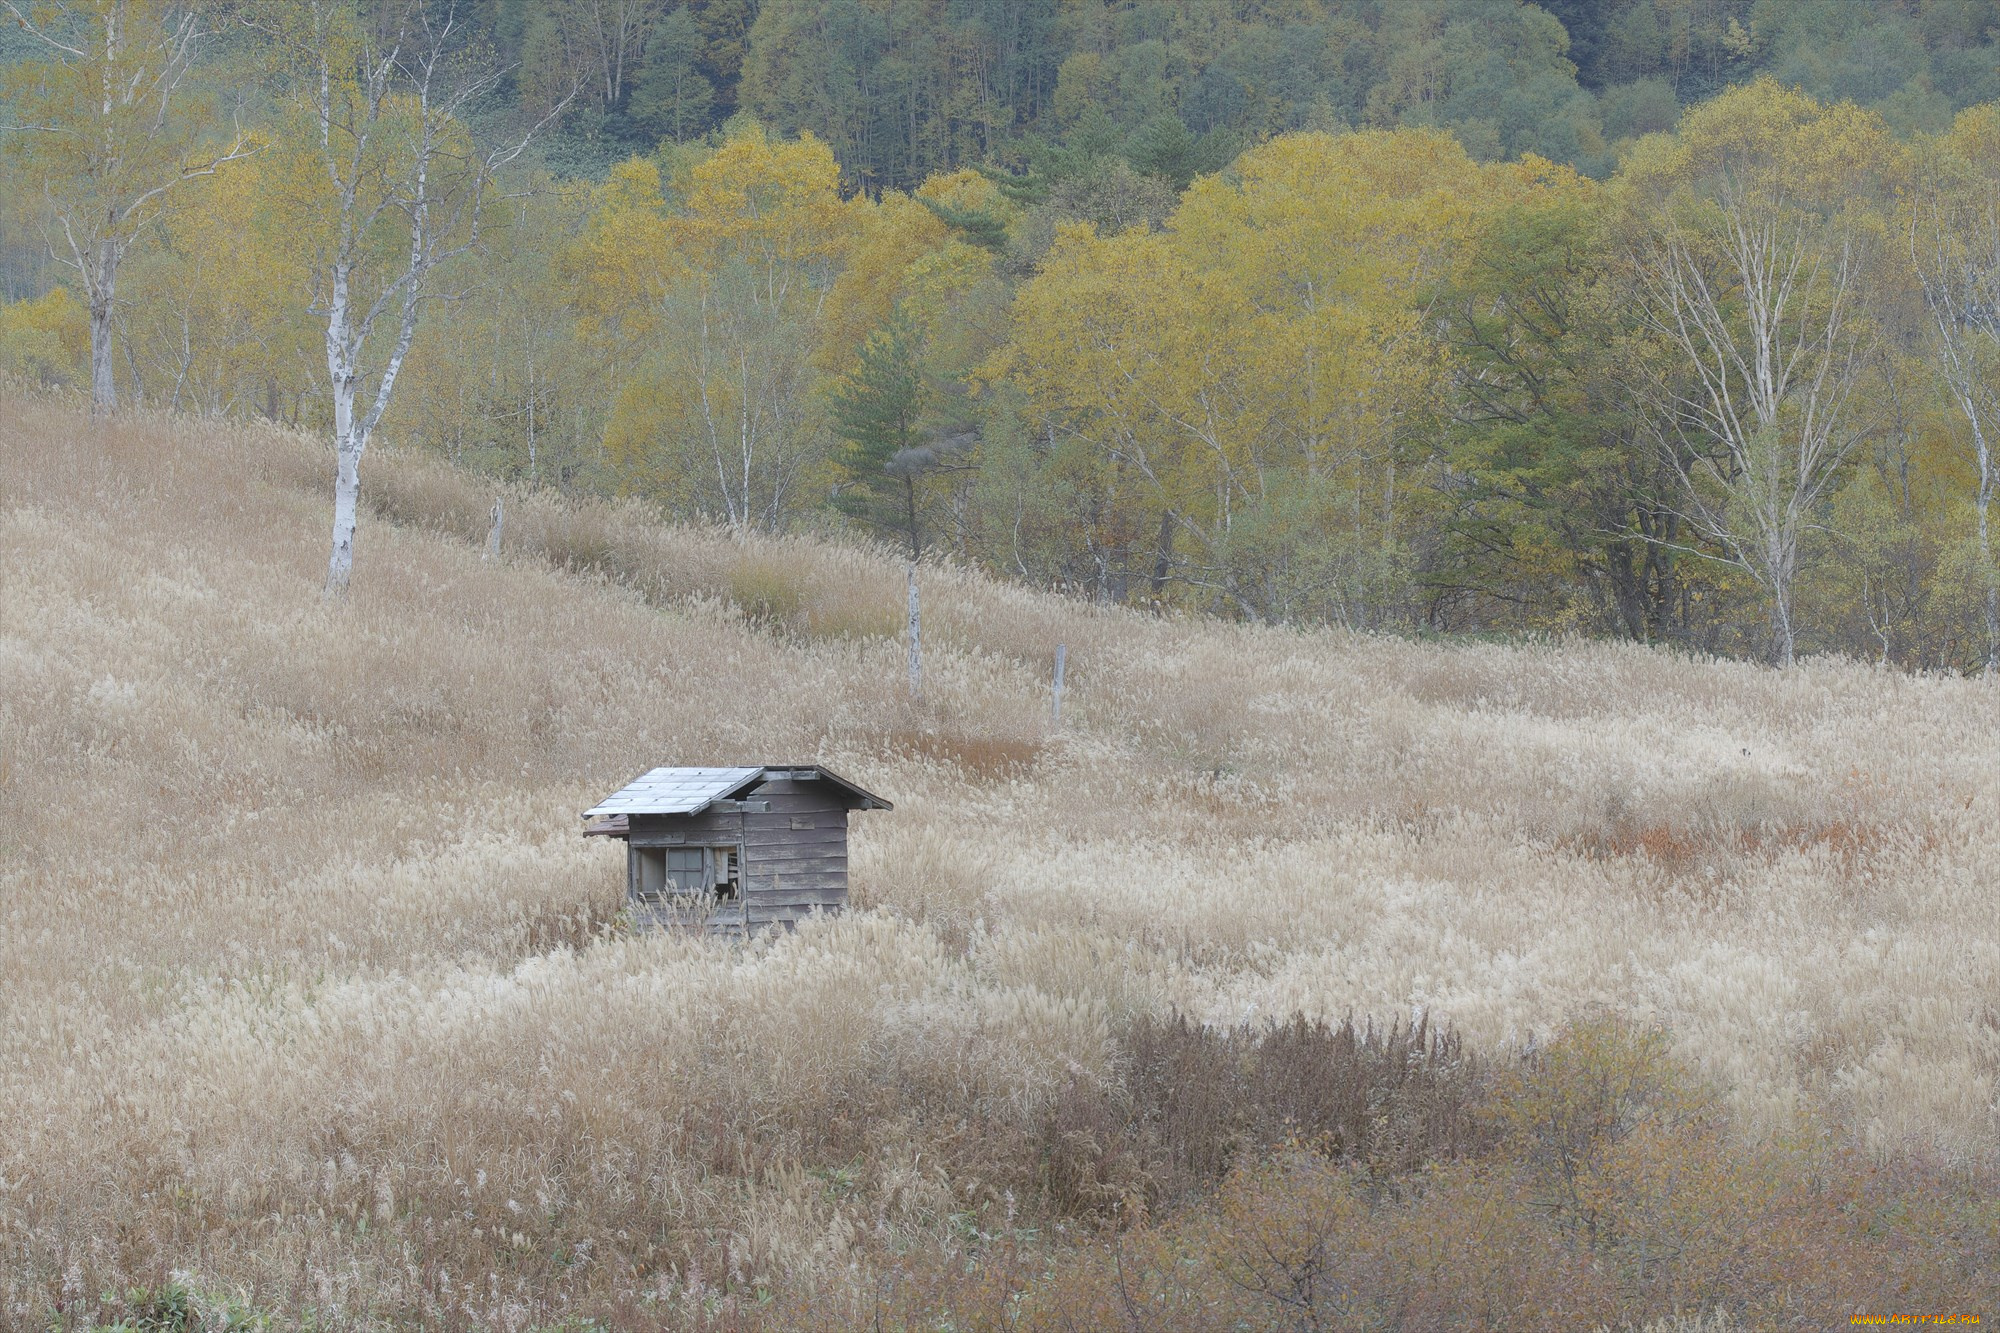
(313, 1002)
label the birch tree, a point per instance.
(1756, 421)
(1244, 385)
(505, 382)
(1953, 228)
(1750, 271)
(605, 37)
(204, 317)
(109, 124)
(763, 226)
(389, 188)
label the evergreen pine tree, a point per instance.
(876, 411)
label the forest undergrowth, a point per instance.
(1300, 980)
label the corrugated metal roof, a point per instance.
(675, 791)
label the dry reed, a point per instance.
(307, 985)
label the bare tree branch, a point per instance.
(399, 161)
(1752, 415)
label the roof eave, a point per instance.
(869, 800)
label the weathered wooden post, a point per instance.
(916, 639)
(493, 533)
(1055, 695)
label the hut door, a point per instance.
(741, 854)
(649, 874)
(725, 873)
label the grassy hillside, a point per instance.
(311, 992)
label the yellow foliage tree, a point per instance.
(1252, 375)
(726, 290)
(503, 380)
(212, 330)
(902, 257)
(1127, 348)
(1951, 222)
(620, 268)
(45, 340)
(889, 238)
(109, 124)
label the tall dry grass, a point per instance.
(308, 990)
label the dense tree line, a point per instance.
(904, 89)
(1668, 319)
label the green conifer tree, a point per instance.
(876, 411)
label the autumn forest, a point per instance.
(1666, 319)
(1418, 575)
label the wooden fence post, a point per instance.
(916, 639)
(493, 533)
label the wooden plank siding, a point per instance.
(675, 830)
(789, 871)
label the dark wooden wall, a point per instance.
(795, 855)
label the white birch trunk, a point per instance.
(443, 221)
(352, 431)
(1784, 643)
(96, 263)
(1961, 280)
(1764, 334)
(103, 389)
(346, 496)
(347, 445)
(1985, 505)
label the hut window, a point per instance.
(685, 870)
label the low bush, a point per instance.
(1388, 1100)
(1594, 1184)
(977, 756)
(767, 592)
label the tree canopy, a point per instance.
(1457, 316)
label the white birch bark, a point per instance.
(1957, 259)
(387, 119)
(916, 639)
(100, 290)
(749, 362)
(1753, 415)
(105, 183)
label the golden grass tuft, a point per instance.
(307, 990)
(973, 756)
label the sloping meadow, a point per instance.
(311, 991)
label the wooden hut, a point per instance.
(732, 850)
